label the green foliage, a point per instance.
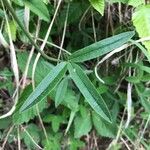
(75, 110)
(1, 13)
(13, 29)
(99, 5)
(6, 75)
(26, 116)
(73, 16)
(53, 142)
(61, 91)
(46, 86)
(82, 123)
(100, 48)
(103, 127)
(121, 1)
(89, 92)
(76, 144)
(71, 100)
(18, 2)
(33, 130)
(56, 121)
(42, 68)
(141, 22)
(142, 92)
(5, 123)
(39, 8)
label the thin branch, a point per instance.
(19, 143)
(93, 26)
(14, 67)
(7, 136)
(30, 55)
(41, 122)
(146, 125)
(54, 45)
(31, 138)
(10, 8)
(64, 32)
(125, 143)
(129, 104)
(83, 16)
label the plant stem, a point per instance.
(9, 7)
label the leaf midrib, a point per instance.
(95, 100)
(76, 54)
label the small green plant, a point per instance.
(86, 83)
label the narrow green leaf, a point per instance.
(102, 47)
(61, 91)
(99, 5)
(71, 118)
(89, 91)
(26, 116)
(39, 8)
(42, 69)
(46, 86)
(141, 21)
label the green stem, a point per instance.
(9, 7)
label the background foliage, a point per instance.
(90, 86)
